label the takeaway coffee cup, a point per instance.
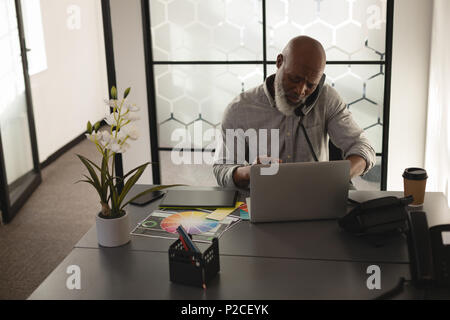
(415, 180)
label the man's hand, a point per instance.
(241, 176)
(357, 165)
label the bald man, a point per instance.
(289, 100)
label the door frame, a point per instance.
(10, 207)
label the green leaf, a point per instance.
(113, 92)
(89, 127)
(151, 190)
(97, 126)
(92, 163)
(126, 92)
(132, 171)
(104, 174)
(91, 172)
(88, 181)
(131, 182)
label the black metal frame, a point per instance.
(111, 71)
(387, 92)
(151, 94)
(151, 85)
(9, 206)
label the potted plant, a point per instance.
(113, 226)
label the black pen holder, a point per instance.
(193, 268)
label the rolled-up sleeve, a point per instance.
(345, 133)
(225, 161)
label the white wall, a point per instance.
(409, 88)
(71, 91)
(130, 72)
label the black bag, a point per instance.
(377, 216)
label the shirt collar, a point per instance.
(269, 82)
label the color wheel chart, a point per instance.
(193, 221)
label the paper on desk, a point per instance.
(245, 210)
(221, 213)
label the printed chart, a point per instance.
(193, 222)
(163, 224)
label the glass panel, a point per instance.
(34, 35)
(13, 104)
(348, 29)
(187, 173)
(193, 97)
(206, 30)
(362, 88)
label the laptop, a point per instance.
(300, 191)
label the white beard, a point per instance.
(280, 99)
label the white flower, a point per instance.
(95, 136)
(110, 119)
(118, 148)
(125, 146)
(131, 131)
(133, 107)
(114, 147)
(121, 135)
(111, 102)
(106, 137)
(131, 116)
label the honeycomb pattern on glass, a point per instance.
(348, 29)
(362, 89)
(193, 97)
(206, 30)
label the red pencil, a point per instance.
(184, 244)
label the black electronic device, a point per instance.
(147, 198)
(379, 216)
(429, 252)
(312, 98)
(199, 199)
(301, 111)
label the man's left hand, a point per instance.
(357, 165)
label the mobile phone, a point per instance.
(147, 198)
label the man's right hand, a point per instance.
(241, 176)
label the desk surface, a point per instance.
(301, 240)
(124, 274)
(301, 260)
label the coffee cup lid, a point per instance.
(415, 174)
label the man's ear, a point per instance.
(279, 60)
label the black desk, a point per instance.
(301, 260)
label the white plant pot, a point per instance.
(113, 232)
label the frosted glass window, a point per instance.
(206, 30)
(196, 95)
(192, 93)
(348, 29)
